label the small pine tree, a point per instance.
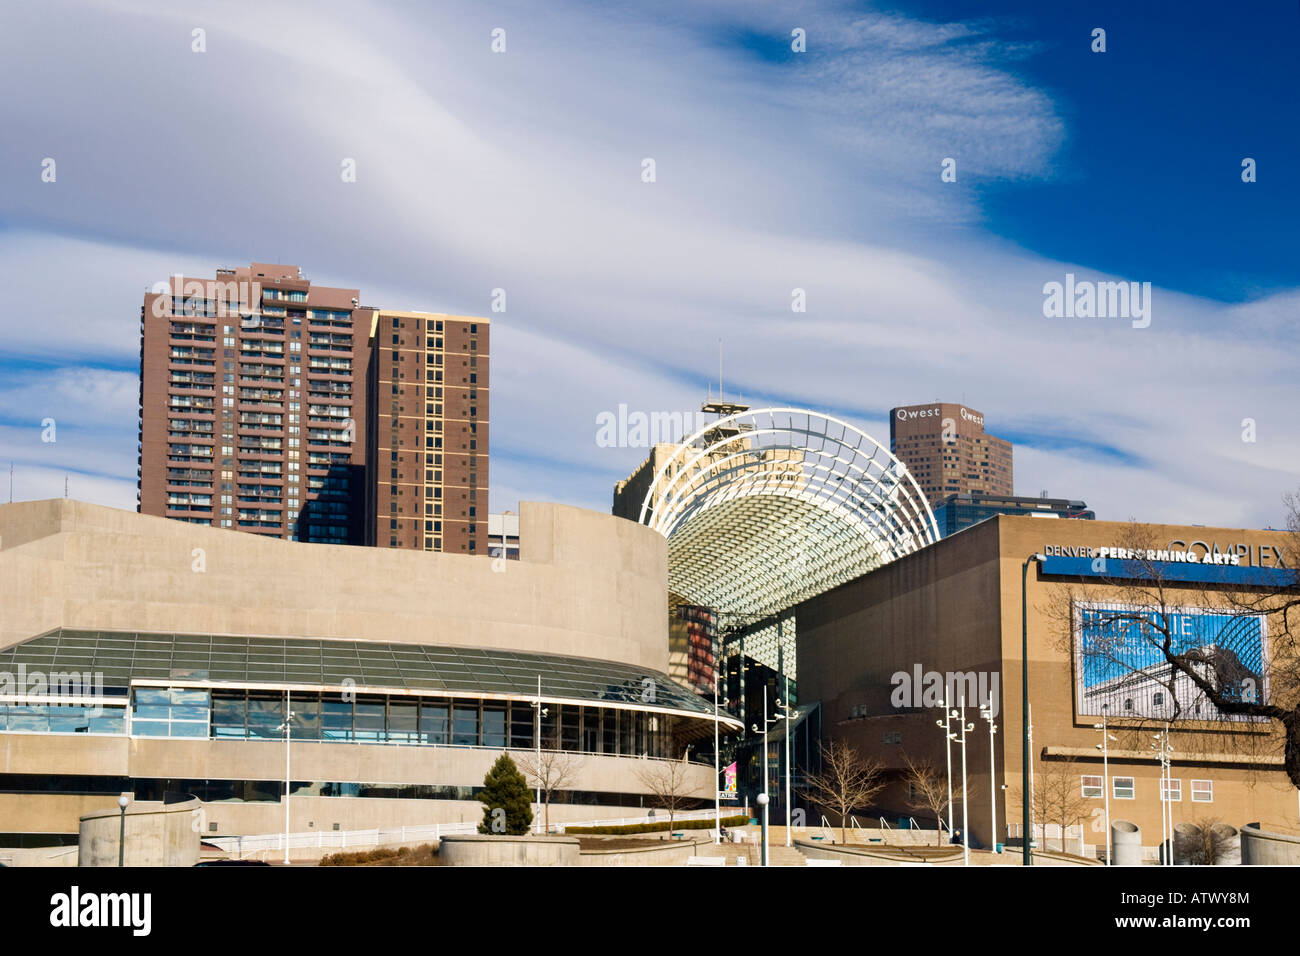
(506, 799)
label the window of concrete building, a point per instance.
(464, 731)
(591, 729)
(1093, 787)
(522, 724)
(368, 722)
(1202, 791)
(433, 722)
(1124, 788)
(403, 721)
(494, 724)
(1172, 790)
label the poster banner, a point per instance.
(1121, 672)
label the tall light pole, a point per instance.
(1104, 747)
(1031, 769)
(784, 705)
(1164, 745)
(717, 761)
(122, 802)
(947, 751)
(288, 716)
(987, 713)
(1024, 700)
(537, 741)
(965, 830)
(763, 798)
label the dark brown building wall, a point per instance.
(252, 415)
(430, 379)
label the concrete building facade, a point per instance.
(407, 675)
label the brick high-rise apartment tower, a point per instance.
(428, 432)
(946, 449)
(252, 404)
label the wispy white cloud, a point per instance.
(522, 171)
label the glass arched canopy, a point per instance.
(766, 508)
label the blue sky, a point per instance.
(775, 170)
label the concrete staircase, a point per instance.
(752, 854)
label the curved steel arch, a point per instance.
(766, 508)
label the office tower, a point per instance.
(428, 432)
(251, 404)
(948, 452)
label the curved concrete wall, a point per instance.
(1126, 841)
(1264, 848)
(488, 850)
(587, 584)
(157, 834)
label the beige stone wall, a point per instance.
(587, 584)
(153, 758)
(155, 835)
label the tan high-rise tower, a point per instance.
(948, 452)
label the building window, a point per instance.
(1124, 788)
(1174, 793)
(1093, 787)
(1202, 791)
(1157, 699)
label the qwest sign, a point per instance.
(911, 414)
(1181, 552)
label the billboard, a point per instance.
(1121, 672)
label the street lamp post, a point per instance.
(537, 741)
(122, 802)
(987, 713)
(1104, 747)
(717, 769)
(1028, 859)
(1164, 745)
(947, 751)
(965, 829)
(784, 706)
(288, 716)
(763, 797)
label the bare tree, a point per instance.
(846, 782)
(1210, 843)
(1138, 643)
(1058, 797)
(551, 770)
(928, 791)
(669, 783)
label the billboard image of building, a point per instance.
(1120, 670)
